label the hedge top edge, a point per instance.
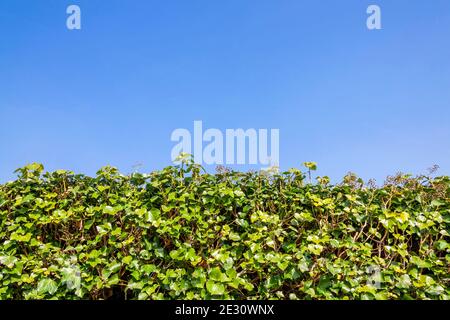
(181, 233)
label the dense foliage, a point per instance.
(180, 233)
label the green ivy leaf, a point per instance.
(47, 286)
(215, 288)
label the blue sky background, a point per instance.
(371, 102)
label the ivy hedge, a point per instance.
(181, 233)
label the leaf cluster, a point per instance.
(180, 233)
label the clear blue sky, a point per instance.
(371, 102)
